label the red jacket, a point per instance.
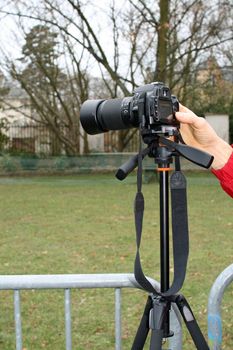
(225, 176)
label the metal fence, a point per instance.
(128, 142)
(68, 282)
(40, 139)
(214, 307)
(32, 139)
(116, 281)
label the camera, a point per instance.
(151, 106)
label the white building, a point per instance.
(220, 123)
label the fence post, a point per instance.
(68, 319)
(118, 319)
(175, 342)
(214, 307)
(18, 325)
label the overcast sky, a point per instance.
(12, 37)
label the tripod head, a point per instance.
(162, 148)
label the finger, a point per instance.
(182, 108)
(192, 119)
(184, 117)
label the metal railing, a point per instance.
(81, 281)
(40, 139)
(116, 281)
(214, 307)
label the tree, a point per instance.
(185, 33)
(49, 88)
(4, 88)
(162, 46)
(3, 137)
(151, 41)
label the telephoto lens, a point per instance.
(98, 116)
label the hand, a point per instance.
(198, 133)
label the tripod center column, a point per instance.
(164, 230)
(163, 159)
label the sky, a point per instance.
(12, 37)
(11, 45)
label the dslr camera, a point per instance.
(152, 107)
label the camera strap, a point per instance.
(158, 303)
(179, 230)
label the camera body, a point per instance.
(152, 106)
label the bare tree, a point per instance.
(55, 93)
(150, 40)
(185, 33)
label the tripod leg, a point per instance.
(143, 328)
(191, 323)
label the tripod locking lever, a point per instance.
(193, 154)
(130, 165)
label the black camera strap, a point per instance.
(179, 230)
(158, 303)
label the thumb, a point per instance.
(184, 117)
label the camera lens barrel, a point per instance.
(88, 117)
(109, 115)
(98, 116)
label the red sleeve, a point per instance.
(225, 176)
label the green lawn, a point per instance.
(84, 224)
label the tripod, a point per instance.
(155, 317)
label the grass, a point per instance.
(84, 224)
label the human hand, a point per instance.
(198, 133)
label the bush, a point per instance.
(8, 163)
(29, 161)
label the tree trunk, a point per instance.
(85, 144)
(162, 41)
(120, 143)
